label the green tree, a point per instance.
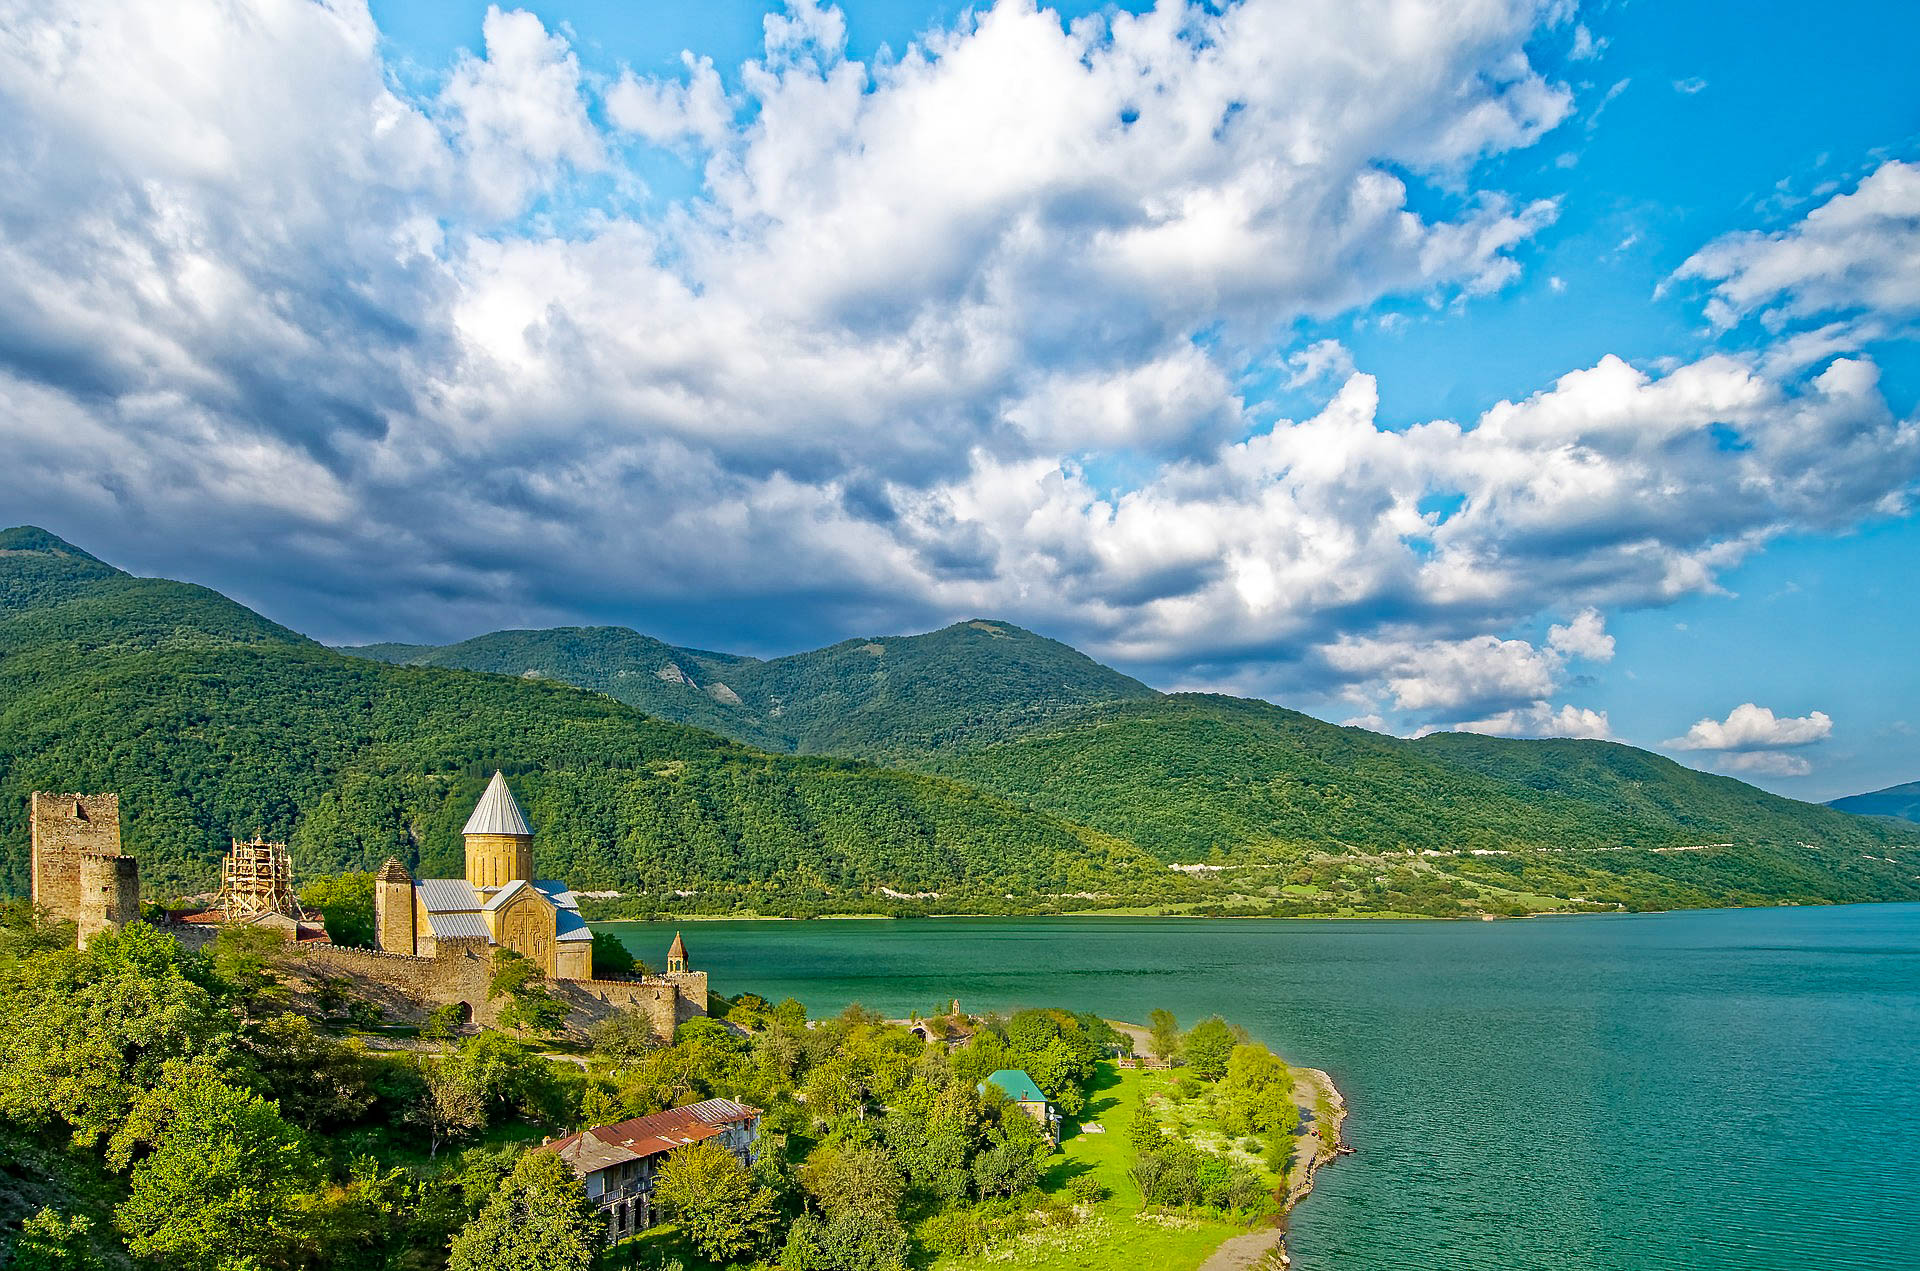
(611, 955)
(227, 1181)
(89, 1032)
(532, 1007)
(539, 1220)
(345, 902)
(624, 1038)
(455, 1105)
(319, 1083)
(854, 1241)
(52, 1241)
(1165, 1039)
(709, 1193)
(1208, 1046)
(860, 1176)
(243, 957)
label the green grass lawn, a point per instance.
(1116, 1234)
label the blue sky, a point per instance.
(1538, 368)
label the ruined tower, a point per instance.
(499, 840)
(79, 874)
(393, 908)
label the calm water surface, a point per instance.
(1728, 1089)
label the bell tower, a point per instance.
(499, 840)
(677, 956)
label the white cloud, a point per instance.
(960, 332)
(1321, 360)
(1447, 675)
(1541, 719)
(519, 114)
(1764, 763)
(667, 110)
(1585, 637)
(1751, 727)
(1690, 86)
(1855, 251)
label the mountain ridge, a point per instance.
(1021, 775)
(1901, 802)
(212, 721)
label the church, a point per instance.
(498, 904)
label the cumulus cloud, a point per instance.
(667, 110)
(1749, 727)
(1856, 251)
(1585, 637)
(1541, 719)
(519, 114)
(960, 332)
(1764, 763)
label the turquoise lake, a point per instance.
(1719, 1089)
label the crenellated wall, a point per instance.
(407, 989)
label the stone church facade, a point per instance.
(499, 903)
(436, 937)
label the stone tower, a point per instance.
(393, 908)
(677, 956)
(499, 840)
(109, 895)
(79, 874)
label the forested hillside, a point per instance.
(1201, 778)
(211, 721)
(1901, 802)
(1027, 776)
(1191, 773)
(683, 685)
(886, 697)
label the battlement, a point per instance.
(408, 988)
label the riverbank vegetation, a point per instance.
(185, 1111)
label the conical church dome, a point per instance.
(497, 813)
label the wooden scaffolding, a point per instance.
(257, 879)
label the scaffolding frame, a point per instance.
(257, 879)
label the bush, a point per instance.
(1087, 1190)
(445, 1022)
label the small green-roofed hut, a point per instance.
(1020, 1088)
(1017, 1084)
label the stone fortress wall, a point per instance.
(407, 988)
(79, 875)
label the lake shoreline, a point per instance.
(1318, 1099)
(1111, 916)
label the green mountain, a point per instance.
(884, 697)
(1901, 802)
(211, 721)
(1025, 775)
(1206, 779)
(1201, 778)
(683, 685)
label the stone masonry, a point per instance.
(79, 874)
(407, 989)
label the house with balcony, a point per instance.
(617, 1163)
